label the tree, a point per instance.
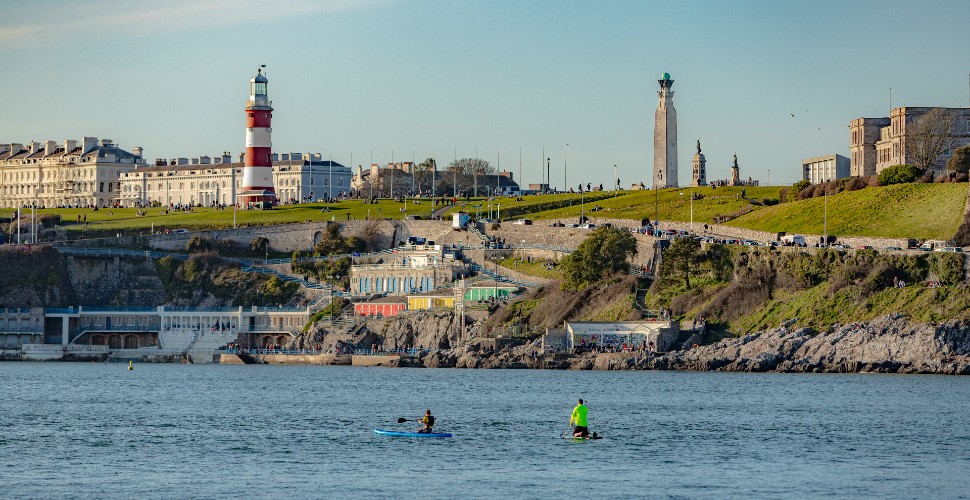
(606, 251)
(898, 174)
(465, 172)
(198, 244)
(928, 138)
(258, 246)
(960, 161)
(681, 258)
(331, 242)
(796, 188)
(424, 174)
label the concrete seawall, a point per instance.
(305, 359)
(376, 360)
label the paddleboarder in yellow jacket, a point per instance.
(578, 419)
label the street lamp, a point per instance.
(565, 156)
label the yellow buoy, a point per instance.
(131, 365)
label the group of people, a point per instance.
(579, 419)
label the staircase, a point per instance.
(473, 228)
(285, 277)
(641, 299)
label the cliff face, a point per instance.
(889, 344)
(432, 329)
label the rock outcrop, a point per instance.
(889, 344)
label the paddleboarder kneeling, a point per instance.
(428, 421)
(578, 419)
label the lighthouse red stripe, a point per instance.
(259, 157)
(258, 118)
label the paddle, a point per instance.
(402, 420)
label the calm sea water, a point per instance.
(96, 430)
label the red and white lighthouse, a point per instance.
(257, 183)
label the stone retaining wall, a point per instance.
(376, 360)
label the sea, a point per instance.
(78, 430)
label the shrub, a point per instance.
(898, 174)
(796, 190)
(960, 161)
(258, 246)
(948, 267)
(198, 244)
(50, 220)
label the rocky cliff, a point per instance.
(889, 344)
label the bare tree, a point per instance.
(929, 137)
(465, 173)
(423, 175)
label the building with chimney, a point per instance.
(216, 181)
(64, 174)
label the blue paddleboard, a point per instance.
(412, 434)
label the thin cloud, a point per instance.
(174, 15)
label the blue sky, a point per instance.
(423, 77)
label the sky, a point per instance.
(399, 79)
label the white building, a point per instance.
(72, 174)
(825, 168)
(209, 181)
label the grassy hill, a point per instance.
(904, 210)
(671, 204)
(931, 211)
(126, 219)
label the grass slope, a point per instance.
(672, 205)
(818, 308)
(125, 219)
(904, 210)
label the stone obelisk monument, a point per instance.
(665, 136)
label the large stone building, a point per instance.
(72, 173)
(210, 181)
(825, 168)
(665, 136)
(877, 143)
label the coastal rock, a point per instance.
(889, 344)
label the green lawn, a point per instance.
(908, 210)
(671, 204)
(125, 219)
(501, 205)
(904, 211)
(532, 269)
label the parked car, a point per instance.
(180, 231)
(893, 248)
(864, 247)
(523, 222)
(587, 226)
(952, 249)
(557, 224)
